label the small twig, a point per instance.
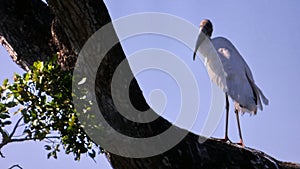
(16, 165)
(23, 124)
(5, 139)
(50, 141)
(10, 140)
(2, 132)
(28, 139)
(15, 128)
(2, 155)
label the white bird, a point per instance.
(227, 68)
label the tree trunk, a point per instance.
(25, 28)
(32, 31)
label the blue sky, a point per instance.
(265, 32)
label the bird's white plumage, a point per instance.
(233, 76)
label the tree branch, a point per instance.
(15, 166)
(25, 31)
(15, 128)
(79, 20)
(6, 139)
(28, 139)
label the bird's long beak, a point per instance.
(200, 39)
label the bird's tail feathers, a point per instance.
(261, 97)
(258, 95)
(264, 98)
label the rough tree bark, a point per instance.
(30, 31)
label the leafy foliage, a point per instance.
(43, 97)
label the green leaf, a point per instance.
(6, 123)
(5, 136)
(16, 77)
(11, 104)
(5, 82)
(54, 154)
(27, 132)
(49, 155)
(27, 77)
(92, 154)
(38, 65)
(44, 95)
(47, 147)
(4, 116)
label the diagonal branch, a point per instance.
(15, 127)
(15, 166)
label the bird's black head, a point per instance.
(206, 27)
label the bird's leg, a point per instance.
(239, 127)
(227, 116)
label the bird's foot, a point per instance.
(226, 140)
(241, 143)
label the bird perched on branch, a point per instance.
(227, 68)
